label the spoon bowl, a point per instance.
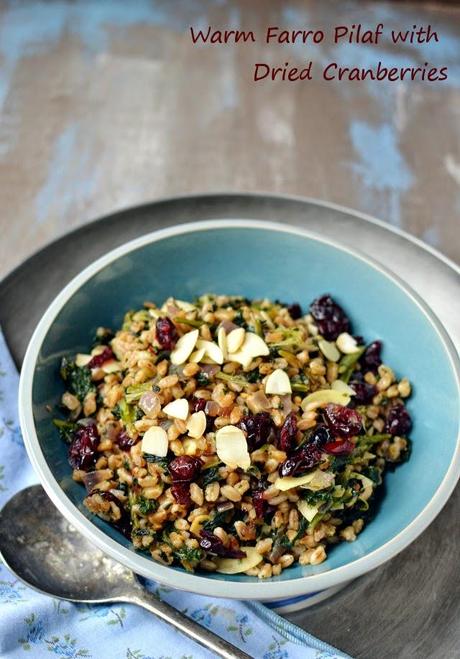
(48, 554)
(40, 546)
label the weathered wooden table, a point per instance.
(109, 104)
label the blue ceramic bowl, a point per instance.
(256, 259)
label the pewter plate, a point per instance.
(409, 607)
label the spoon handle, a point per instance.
(190, 628)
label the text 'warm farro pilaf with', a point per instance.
(233, 435)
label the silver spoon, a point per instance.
(48, 554)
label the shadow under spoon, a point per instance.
(48, 554)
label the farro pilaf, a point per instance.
(233, 435)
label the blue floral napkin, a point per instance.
(32, 625)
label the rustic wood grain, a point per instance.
(105, 105)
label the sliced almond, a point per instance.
(235, 339)
(329, 350)
(315, 480)
(197, 356)
(178, 409)
(185, 306)
(212, 350)
(184, 347)
(252, 346)
(232, 447)
(82, 359)
(222, 341)
(236, 565)
(308, 511)
(347, 343)
(278, 383)
(111, 366)
(155, 442)
(324, 397)
(196, 425)
(343, 387)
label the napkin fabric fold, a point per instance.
(33, 625)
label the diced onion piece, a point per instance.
(278, 383)
(155, 442)
(185, 306)
(177, 408)
(252, 346)
(329, 350)
(343, 387)
(309, 512)
(236, 565)
(111, 366)
(222, 340)
(197, 356)
(347, 343)
(212, 350)
(184, 347)
(324, 397)
(232, 447)
(315, 480)
(235, 339)
(196, 425)
(82, 360)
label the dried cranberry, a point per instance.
(340, 447)
(343, 421)
(198, 404)
(288, 433)
(214, 545)
(295, 311)
(398, 420)
(82, 450)
(181, 492)
(371, 358)
(329, 317)
(184, 468)
(319, 436)
(124, 441)
(305, 458)
(101, 358)
(364, 392)
(166, 333)
(124, 523)
(260, 504)
(257, 428)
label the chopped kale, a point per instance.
(218, 519)
(254, 376)
(202, 379)
(146, 506)
(126, 412)
(189, 555)
(303, 525)
(211, 475)
(162, 462)
(320, 497)
(135, 391)
(77, 378)
(66, 429)
(348, 364)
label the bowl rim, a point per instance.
(148, 568)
